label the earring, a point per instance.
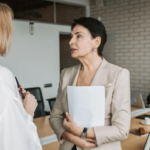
(94, 49)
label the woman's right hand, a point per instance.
(86, 144)
(30, 103)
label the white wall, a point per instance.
(34, 59)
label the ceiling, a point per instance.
(23, 7)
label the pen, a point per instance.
(20, 90)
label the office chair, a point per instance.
(51, 102)
(36, 91)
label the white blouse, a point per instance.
(17, 130)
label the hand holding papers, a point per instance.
(87, 105)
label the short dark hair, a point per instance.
(96, 29)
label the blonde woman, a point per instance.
(17, 130)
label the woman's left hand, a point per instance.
(71, 126)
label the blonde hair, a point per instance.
(6, 31)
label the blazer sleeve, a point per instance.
(121, 113)
(57, 115)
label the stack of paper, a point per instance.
(87, 105)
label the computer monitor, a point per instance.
(137, 100)
(147, 144)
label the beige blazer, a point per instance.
(117, 105)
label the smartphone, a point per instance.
(20, 90)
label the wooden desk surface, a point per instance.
(133, 142)
(51, 146)
(43, 127)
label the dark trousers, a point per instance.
(74, 148)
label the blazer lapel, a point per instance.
(74, 75)
(100, 77)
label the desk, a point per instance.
(43, 127)
(51, 146)
(133, 142)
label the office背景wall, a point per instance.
(129, 22)
(34, 59)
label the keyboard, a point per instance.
(139, 112)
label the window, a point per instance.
(45, 11)
(39, 10)
(66, 13)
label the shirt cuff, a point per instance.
(61, 141)
(30, 118)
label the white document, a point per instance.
(87, 105)
(147, 144)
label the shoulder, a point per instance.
(69, 70)
(8, 79)
(68, 75)
(5, 73)
(116, 72)
(114, 69)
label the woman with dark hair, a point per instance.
(88, 38)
